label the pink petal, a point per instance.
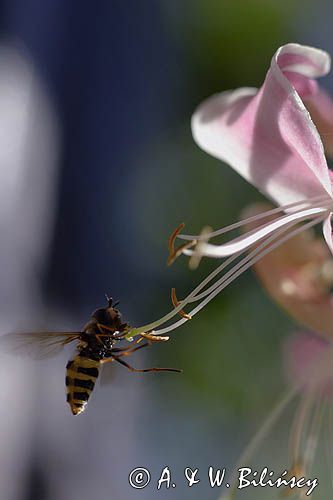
(267, 135)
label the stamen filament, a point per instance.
(239, 264)
(179, 307)
(243, 261)
(217, 287)
(311, 202)
(231, 275)
(242, 243)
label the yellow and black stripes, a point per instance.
(81, 375)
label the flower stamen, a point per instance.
(267, 245)
(264, 248)
(244, 242)
(300, 205)
(175, 303)
(173, 252)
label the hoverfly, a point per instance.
(95, 347)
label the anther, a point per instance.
(175, 303)
(173, 252)
(154, 338)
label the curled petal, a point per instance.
(267, 135)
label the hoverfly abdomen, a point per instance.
(81, 375)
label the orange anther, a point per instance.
(154, 338)
(174, 253)
(173, 237)
(175, 303)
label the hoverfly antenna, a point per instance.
(109, 299)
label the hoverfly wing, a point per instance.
(107, 374)
(36, 345)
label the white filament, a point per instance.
(241, 267)
(242, 243)
(268, 233)
(311, 202)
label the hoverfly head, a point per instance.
(109, 316)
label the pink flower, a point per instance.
(268, 136)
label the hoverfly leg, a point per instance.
(144, 370)
(115, 333)
(98, 337)
(123, 351)
(102, 334)
(104, 327)
(134, 349)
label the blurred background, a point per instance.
(97, 167)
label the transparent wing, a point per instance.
(37, 345)
(107, 374)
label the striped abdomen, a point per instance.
(81, 375)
